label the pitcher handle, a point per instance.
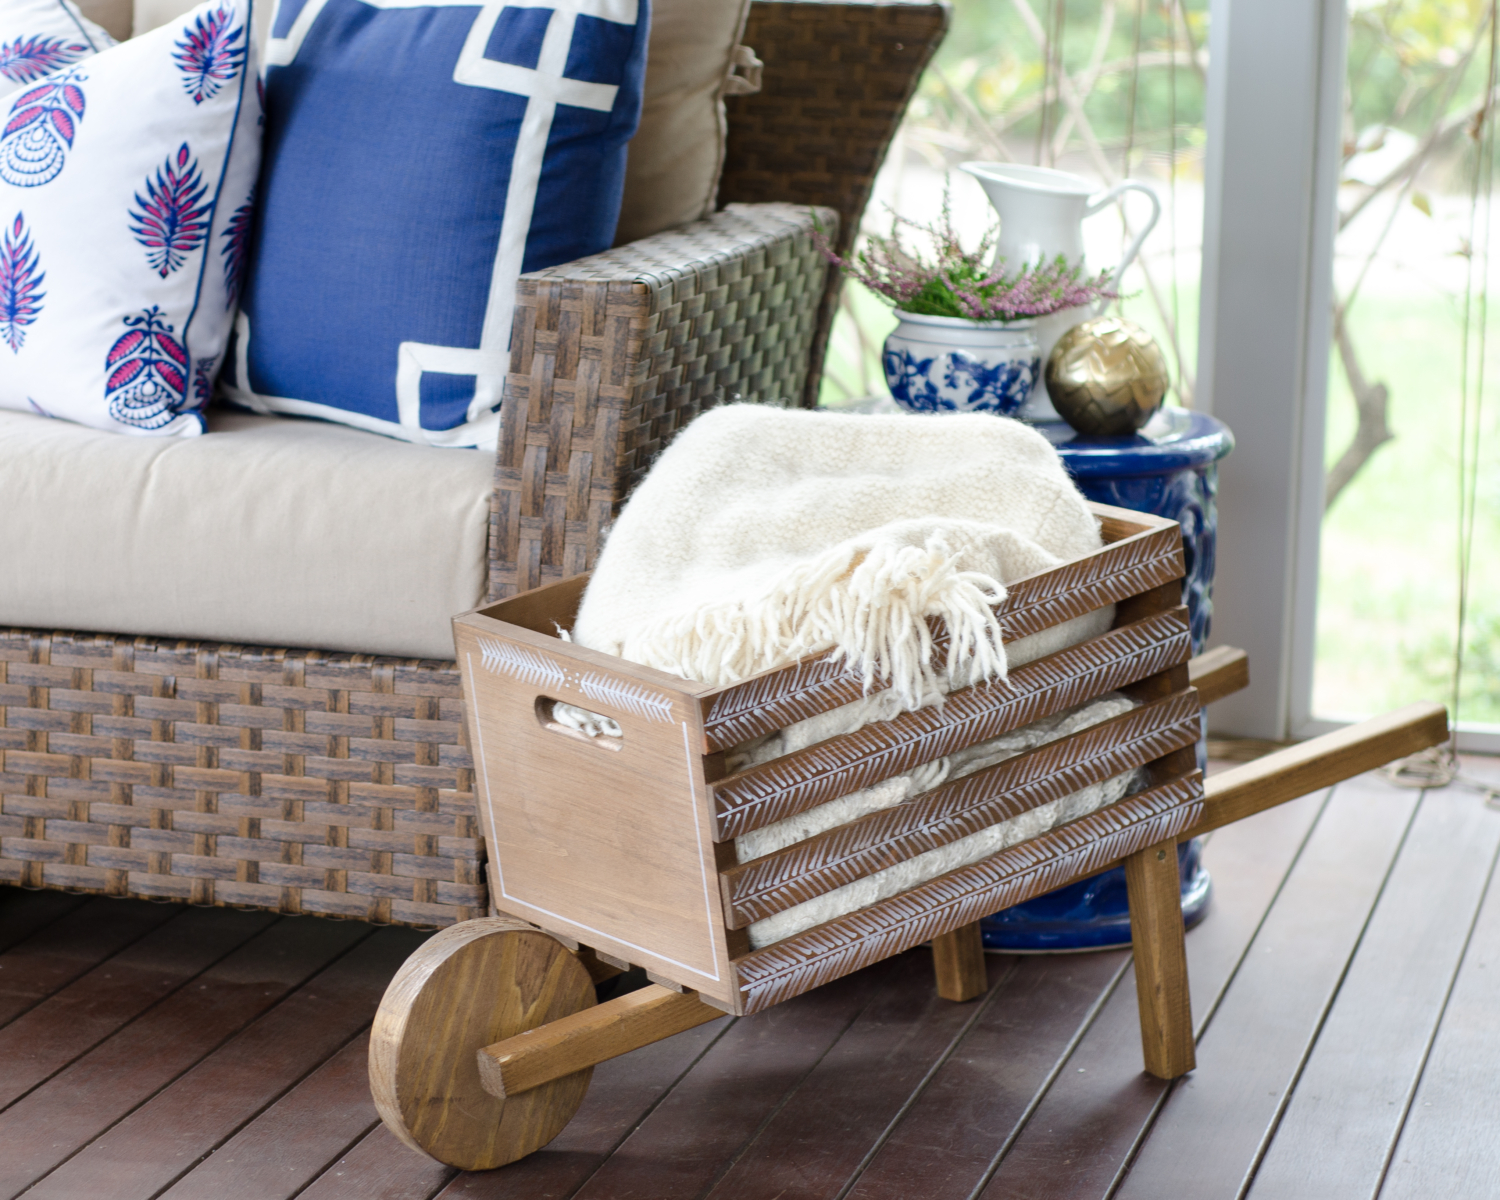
(1114, 193)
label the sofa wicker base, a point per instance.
(295, 780)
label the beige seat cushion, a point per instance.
(270, 531)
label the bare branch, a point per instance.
(1372, 400)
(973, 117)
(1186, 383)
(1199, 61)
(1022, 109)
(1371, 403)
(1435, 135)
(1090, 76)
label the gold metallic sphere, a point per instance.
(1106, 377)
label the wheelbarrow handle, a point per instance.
(587, 1038)
(1320, 762)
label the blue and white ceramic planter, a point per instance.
(1169, 468)
(948, 364)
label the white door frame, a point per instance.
(1273, 115)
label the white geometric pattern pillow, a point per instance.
(125, 202)
(38, 36)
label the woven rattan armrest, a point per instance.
(611, 354)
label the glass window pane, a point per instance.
(1411, 259)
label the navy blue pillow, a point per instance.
(417, 159)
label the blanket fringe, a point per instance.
(868, 602)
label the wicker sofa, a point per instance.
(338, 783)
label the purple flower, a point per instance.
(960, 283)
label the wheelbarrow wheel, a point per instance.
(468, 986)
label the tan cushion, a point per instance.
(673, 162)
(270, 531)
(114, 15)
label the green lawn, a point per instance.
(1388, 588)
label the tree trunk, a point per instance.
(1371, 402)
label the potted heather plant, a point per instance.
(966, 340)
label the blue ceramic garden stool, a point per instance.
(1169, 470)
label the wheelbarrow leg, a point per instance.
(1161, 981)
(958, 959)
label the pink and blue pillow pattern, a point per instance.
(38, 37)
(126, 182)
(419, 158)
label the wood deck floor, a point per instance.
(1346, 989)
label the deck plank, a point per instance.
(1349, 1104)
(82, 1101)
(838, 1116)
(293, 1142)
(623, 1093)
(945, 1143)
(60, 951)
(694, 1135)
(1214, 1124)
(161, 1140)
(67, 1023)
(379, 1167)
(1450, 1145)
(24, 911)
(1085, 1127)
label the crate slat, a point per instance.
(1072, 851)
(778, 881)
(840, 765)
(1146, 558)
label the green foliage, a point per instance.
(1429, 666)
(1413, 62)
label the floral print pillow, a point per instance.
(126, 179)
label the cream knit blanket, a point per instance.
(762, 535)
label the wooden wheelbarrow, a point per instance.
(610, 852)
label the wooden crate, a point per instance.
(626, 845)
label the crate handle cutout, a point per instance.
(548, 720)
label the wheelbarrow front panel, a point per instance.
(628, 845)
(845, 763)
(601, 840)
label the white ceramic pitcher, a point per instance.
(1041, 216)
